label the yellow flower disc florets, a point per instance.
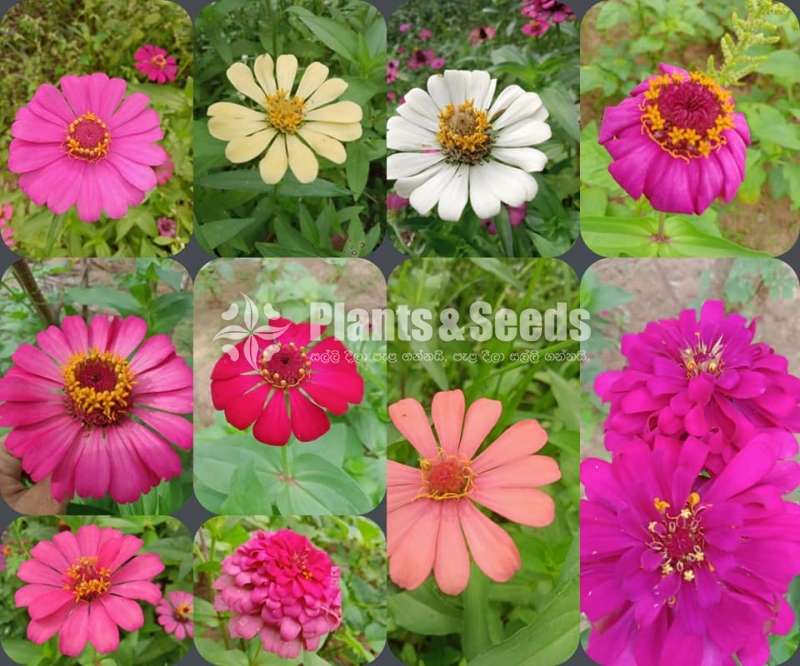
(98, 387)
(284, 113)
(87, 138)
(464, 133)
(86, 580)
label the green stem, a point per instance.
(475, 635)
(286, 464)
(28, 282)
(662, 218)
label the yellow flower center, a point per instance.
(87, 138)
(464, 133)
(86, 581)
(703, 358)
(98, 387)
(183, 611)
(284, 113)
(446, 477)
(159, 61)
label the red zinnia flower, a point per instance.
(253, 388)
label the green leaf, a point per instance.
(475, 635)
(357, 168)
(425, 612)
(768, 124)
(319, 487)
(499, 269)
(220, 231)
(105, 297)
(22, 651)
(215, 652)
(783, 65)
(611, 14)
(562, 108)
(337, 37)
(594, 201)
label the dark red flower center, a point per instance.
(446, 477)
(86, 580)
(687, 115)
(98, 387)
(159, 61)
(87, 138)
(703, 358)
(285, 365)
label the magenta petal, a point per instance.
(671, 191)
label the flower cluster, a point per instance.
(688, 547)
(416, 56)
(543, 14)
(6, 230)
(280, 587)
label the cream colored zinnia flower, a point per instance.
(289, 127)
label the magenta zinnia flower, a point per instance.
(155, 63)
(677, 140)
(83, 587)
(701, 377)
(97, 407)
(281, 588)
(481, 34)
(252, 385)
(167, 227)
(536, 27)
(165, 171)
(681, 569)
(175, 614)
(85, 145)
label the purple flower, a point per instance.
(395, 202)
(677, 568)
(536, 27)
(677, 140)
(167, 227)
(438, 63)
(425, 34)
(405, 27)
(420, 58)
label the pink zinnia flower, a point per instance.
(167, 227)
(425, 34)
(7, 234)
(536, 27)
(155, 63)
(82, 587)
(433, 523)
(165, 171)
(438, 63)
(702, 377)
(6, 212)
(405, 27)
(420, 58)
(97, 407)
(392, 67)
(175, 614)
(391, 96)
(280, 587)
(677, 568)
(395, 202)
(677, 141)
(517, 214)
(481, 34)
(253, 384)
(85, 145)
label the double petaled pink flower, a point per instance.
(155, 63)
(84, 587)
(98, 408)
(280, 587)
(433, 523)
(86, 145)
(287, 386)
(702, 377)
(175, 614)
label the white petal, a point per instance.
(523, 107)
(286, 68)
(542, 114)
(273, 165)
(403, 165)
(324, 145)
(264, 70)
(421, 102)
(487, 100)
(340, 112)
(302, 162)
(405, 186)
(246, 148)
(524, 133)
(438, 90)
(313, 78)
(511, 185)
(231, 110)
(478, 86)
(227, 129)
(457, 81)
(481, 193)
(402, 135)
(242, 79)
(413, 116)
(327, 92)
(504, 99)
(528, 159)
(454, 197)
(427, 195)
(340, 131)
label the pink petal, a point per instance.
(128, 336)
(153, 352)
(525, 473)
(75, 89)
(75, 633)
(308, 421)
(410, 419)
(130, 108)
(88, 537)
(447, 411)
(152, 450)
(273, 426)
(95, 461)
(173, 375)
(41, 631)
(36, 362)
(149, 592)
(139, 568)
(103, 632)
(47, 553)
(53, 601)
(452, 558)
(50, 99)
(25, 156)
(123, 612)
(174, 428)
(28, 594)
(520, 440)
(413, 556)
(68, 545)
(526, 506)
(144, 127)
(491, 547)
(89, 201)
(111, 97)
(30, 127)
(481, 417)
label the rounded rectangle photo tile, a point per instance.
(690, 145)
(290, 384)
(96, 386)
(483, 128)
(482, 487)
(96, 590)
(290, 120)
(690, 521)
(290, 590)
(96, 135)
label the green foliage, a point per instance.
(148, 646)
(356, 545)
(531, 619)
(340, 213)
(545, 65)
(41, 41)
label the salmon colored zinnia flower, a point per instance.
(433, 523)
(156, 64)
(87, 145)
(97, 406)
(83, 587)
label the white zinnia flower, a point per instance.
(455, 144)
(290, 127)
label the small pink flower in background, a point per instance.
(98, 407)
(84, 587)
(438, 63)
(155, 63)
(516, 214)
(433, 523)
(314, 376)
(420, 58)
(401, 49)
(391, 96)
(536, 27)
(167, 227)
(6, 231)
(405, 27)
(280, 587)
(165, 171)
(550, 11)
(677, 140)
(392, 68)
(6, 212)
(395, 202)
(7, 234)
(481, 34)
(175, 614)
(425, 34)
(86, 145)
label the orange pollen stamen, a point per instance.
(183, 611)
(86, 581)
(284, 366)
(284, 113)
(159, 61)
(702, 358)
(87, 138)
(464, 133)
(679, 539)
(98, 387)
(446, 477)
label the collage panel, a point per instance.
(690, 142)
(290, 590)
(96, 386)
(96, 128)
(289, 128)
(483, 128)
(689, 520)
(483, 515)
(290, 385)
(96, 590)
